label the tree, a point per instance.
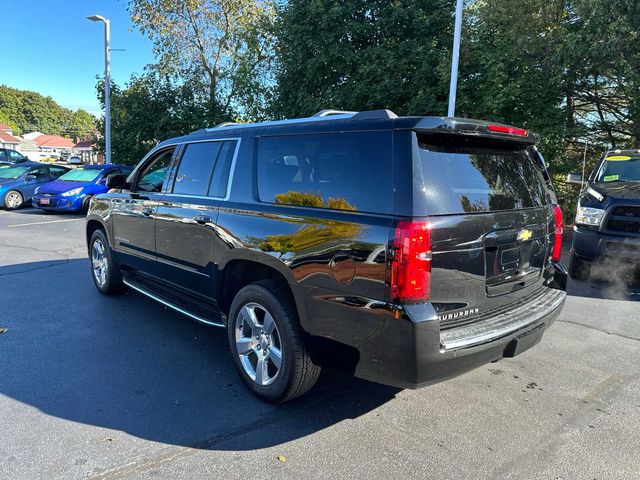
(28, 111)
(363, 54)
(151, 108)
(221, 47)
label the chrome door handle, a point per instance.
(203, 219)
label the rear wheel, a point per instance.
(578, 269)
(104, 271)
(266, 343)
(13, 199)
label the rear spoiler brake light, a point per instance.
(521, 132)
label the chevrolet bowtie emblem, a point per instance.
(524, 235)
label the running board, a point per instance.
(167, 303)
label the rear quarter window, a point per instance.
(345, 171)
(479, 175)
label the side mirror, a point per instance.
(575, 178)
(31, 178)
(116, 181)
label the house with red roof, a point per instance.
(7, 140)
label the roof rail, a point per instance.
(328, 111)
(226, 124)
(323, 115)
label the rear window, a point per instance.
(346, 171)
(469, 176)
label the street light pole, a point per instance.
(107, 84)
(455, 59)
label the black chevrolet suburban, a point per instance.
(607, 224)
(405, 250)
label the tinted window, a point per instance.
(347, 171)
(15, 155)
(3, 155)
(479, 176)
(196, 166)
(221, 173)
(57, 171)
(153, 174)
(40, 172)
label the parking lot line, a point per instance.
(41, 223)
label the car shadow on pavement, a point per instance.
(128, 364)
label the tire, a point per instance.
(578, 269)
(105, 272)
(248, 316)
(13, 200)
(85, 205)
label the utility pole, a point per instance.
(107, 84)
(455, 59)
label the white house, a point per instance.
(7, 140)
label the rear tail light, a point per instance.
(521, 132)
(411, 262)
(557, 241)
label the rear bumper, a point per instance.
(591, 244)
(408, 349)
(58, 203)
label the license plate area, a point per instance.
(44, 201)
(514, 259)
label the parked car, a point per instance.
(73, 191)
(74, 160)
(405, 250)
(11, 156)
(18, 182)
(607, 221)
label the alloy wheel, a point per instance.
(99, 262)
(14, 200)
(258, 343)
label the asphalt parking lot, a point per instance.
(120, 387)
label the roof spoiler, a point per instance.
(466, 126)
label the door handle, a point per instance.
(203, 219)
(146, 211)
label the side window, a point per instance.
(57, 171)
(347, 171)
(40, 172)
(222, 171)
(14, 155)
(153, 174)
(195, 169)
(3, 155)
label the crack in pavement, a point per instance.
(608, 332)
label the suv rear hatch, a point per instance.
(491, 209)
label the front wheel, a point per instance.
(13, 199)
(266, 343)
(104, 271)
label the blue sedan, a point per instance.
(19, 182)
(73, 191)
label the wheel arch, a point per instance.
(239, 272)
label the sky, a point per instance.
(48, 46)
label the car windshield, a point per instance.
(81, 175)
(12, 172)
(619, 168)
